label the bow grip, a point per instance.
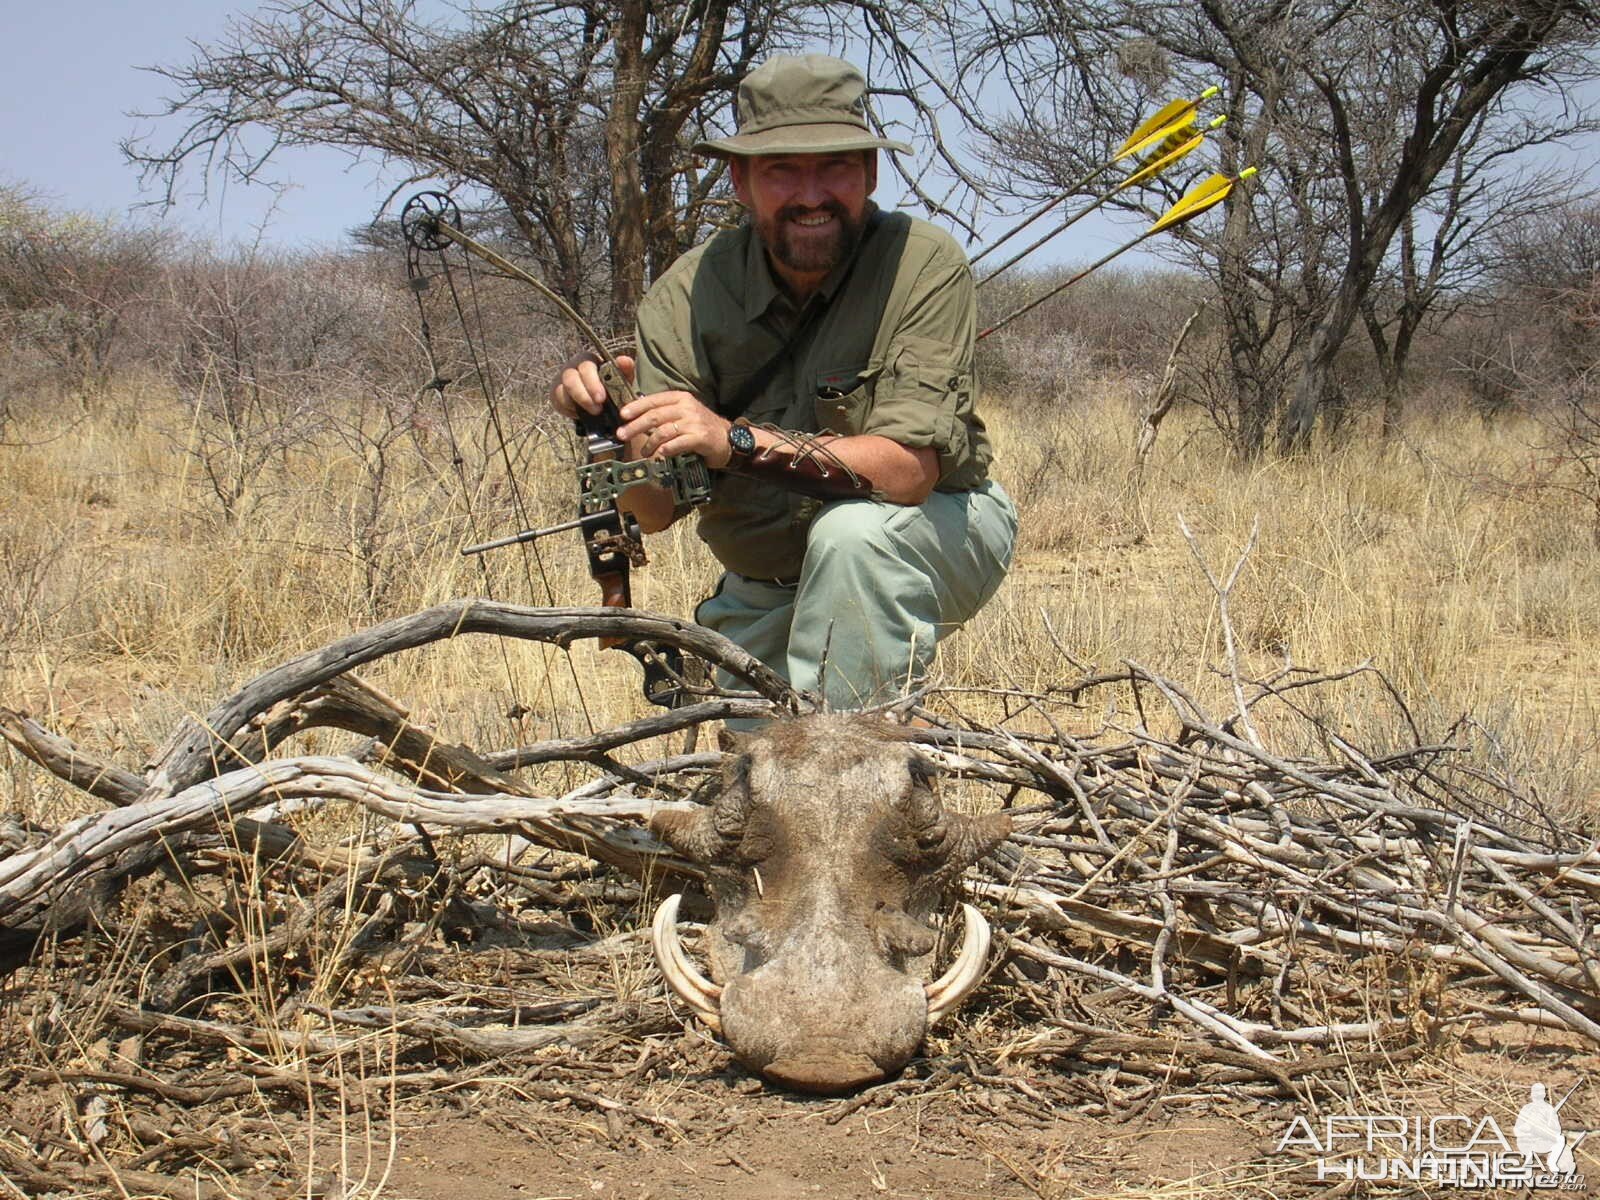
(604, 424)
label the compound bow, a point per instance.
(431, 222)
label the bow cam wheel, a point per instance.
(422, 216)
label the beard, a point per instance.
(806, 251)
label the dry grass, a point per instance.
(1470, 601)
(127, 601)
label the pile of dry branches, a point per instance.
(1182, 906)
(1297, 914)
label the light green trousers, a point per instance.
(881, 585)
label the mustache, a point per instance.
(833, 208)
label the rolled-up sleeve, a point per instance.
(926, 388)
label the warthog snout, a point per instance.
(826, 853)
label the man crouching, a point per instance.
(819, 358)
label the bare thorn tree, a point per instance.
(1356, 115)
(576, 116)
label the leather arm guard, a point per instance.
(801, 463)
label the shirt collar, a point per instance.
(762, 290)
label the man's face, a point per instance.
(808, 208)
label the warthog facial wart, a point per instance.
(826, 855)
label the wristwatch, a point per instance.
(741, 445)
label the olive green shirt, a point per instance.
(892, 355)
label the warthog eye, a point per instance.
(755, 846)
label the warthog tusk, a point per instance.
(951, 988)
(693, 988)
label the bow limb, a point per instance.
(611, 536)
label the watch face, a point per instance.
(741, 439)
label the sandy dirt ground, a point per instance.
(732, 1139)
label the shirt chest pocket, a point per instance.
(843, 398)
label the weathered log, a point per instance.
(352, 704)
(590, 747)
(103, 780)
(97, 850)
(189, 754)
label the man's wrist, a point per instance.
(741, 445)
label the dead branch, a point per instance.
(194, 749)
(1193, 905)
(1161, 404)
(30, 882)
(61, 758)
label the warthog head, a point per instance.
(826, 853)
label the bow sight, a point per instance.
(431, 223)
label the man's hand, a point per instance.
(655, 426)
(579, 386)
(669, 423)
(663, 424)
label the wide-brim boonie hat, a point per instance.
(801, 104)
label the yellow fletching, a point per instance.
(1157, 165)
(1163, 140)
(1157, 124)
(1172, 117)
(1199, 198)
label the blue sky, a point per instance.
(71, 82)
(67, 90)
(68, 101)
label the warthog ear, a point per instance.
(920, 806)
(731, 809)
(947, 842)
(969, 838)
(711, 835)
(732, 741)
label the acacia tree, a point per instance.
(1547, 276)
(514, 100)
(1540, 346)
(574, 115)
(1452, 245)
(1353, 113)
(1463, 59)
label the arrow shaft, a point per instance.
(1061, 287)
(1196, 201)
(1170, 149)
(1026, 221)
(1042, 239)
(1132, 146)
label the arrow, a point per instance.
(1158, 126)
(1174, 115)
(1195, 201)
(1171, 144)
(1176, 145)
